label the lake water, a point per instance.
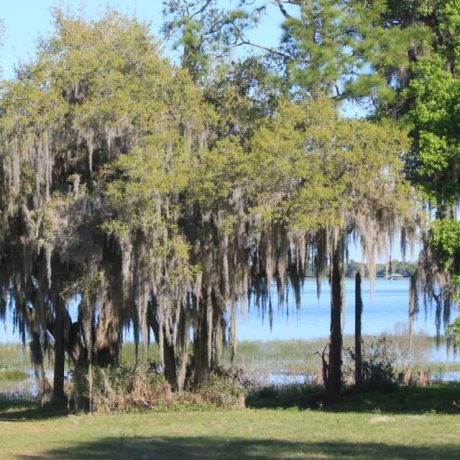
(384, 311)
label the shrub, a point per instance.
(378, 363)
(222, 390)
(124, 388)
(118, 389)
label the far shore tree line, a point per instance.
(160, 196)
(382, 270)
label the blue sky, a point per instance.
(25, 21)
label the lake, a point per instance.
(384, 311)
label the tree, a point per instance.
(434, 158)
(328, 179)
(69, 123)
(204, 31)
(161, 198)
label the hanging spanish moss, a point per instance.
(122, 195)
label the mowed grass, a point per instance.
(28, 432)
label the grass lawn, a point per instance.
(364, 427)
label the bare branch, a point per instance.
(281, 7)
(202, 9)
(266, 48)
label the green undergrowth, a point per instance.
(302, 357)
(128, 388)
(260, 361)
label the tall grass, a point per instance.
(259, 359)
(262, 359)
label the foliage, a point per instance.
(435, 90)
(11, 375)
(379, 361)
(453, 330)
(119, 389)
(126, 388)
(158, 197)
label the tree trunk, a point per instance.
(169, 361)
(107, 338)
(169, 355)
(59, 349)
(44, 387)
(201, 352)
(334, 381)
(358, 339)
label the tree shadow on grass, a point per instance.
(19, 410)
(442, 399)
(221, 449)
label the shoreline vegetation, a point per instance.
(393, 269)
(267, 363)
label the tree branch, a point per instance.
(196, 13)
(265, 48)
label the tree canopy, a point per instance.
(161, 197)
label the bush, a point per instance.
(118, 389)
(378, 363)
(124, 388)
(222, 390)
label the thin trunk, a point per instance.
(169, 361)
(44, 387)
(358, 323)
(59, 350)
(201, 352)
(334, 381)
(413, 303)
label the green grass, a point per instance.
(438, 398)
(352, 429)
